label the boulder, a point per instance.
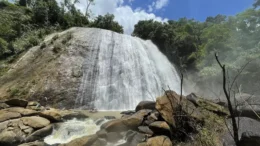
(114, 126)
(154, 116)
(136, 119)
(211, 106)
(17, 102)
(142, 144)
(39, 134)
(245, 125)
(3, 105)
(160, 128)
(145, 130)
(100, 142)
(113, 137)
(22, 111)
(250, 139)
(101, 133)
(130, 112)
(159, 141)
(26, 129)
(133, 138)
(10, 138)
(11, 134)
(169, 104)
(71, 115)
(5, 115)
(35, 143)
(33, 103)
(35, 122)
(145, 105)
(83, 141)
(52, 115)
(192, 98)
(109, 117)
(99, 121)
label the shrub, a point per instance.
(43, 45)
(57, 48)
(33, 41)
(14, 92)
(3, 46)
(67, 38)
(55, 37)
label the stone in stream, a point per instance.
(145, 105)
(113, 137)
(114, 126)
(39, 134)
(35, 122)
(83, 141)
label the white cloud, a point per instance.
(161, 3)
(157, 5)
(124, 14)
(150, 8)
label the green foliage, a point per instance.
(55, 37)
(191, 45)
(43, 45)
(14, 92)
(107, 22)
(3, 46)
(57, 48)
(68, 36)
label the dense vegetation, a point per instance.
(25, 23)
(191, 44)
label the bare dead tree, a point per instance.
(230, 108)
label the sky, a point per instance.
(129, 12)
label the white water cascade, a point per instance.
(119, 71)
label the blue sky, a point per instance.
(197, 9)
(130, 12)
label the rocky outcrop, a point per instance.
(18, 124)
(136, 119)
(17, 102)
(22, 111)
(171, 103)
(172, 120)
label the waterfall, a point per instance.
(119, 71)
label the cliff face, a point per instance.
(47, 73)
(87, 67)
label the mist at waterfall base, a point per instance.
(73, 129)
(119, 71)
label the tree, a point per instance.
(217, 19)
(23, 3)
(256, 4)
(107, 22)
(89, 2)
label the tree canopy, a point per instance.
(24, 23)
(107, 22)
